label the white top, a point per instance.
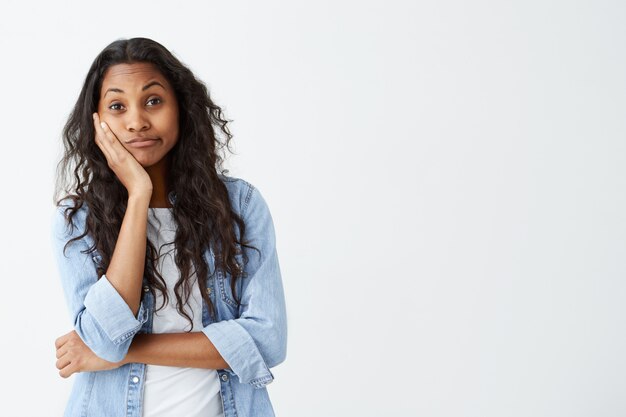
(174, 391)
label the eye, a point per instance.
(113, 106)
(154, 101)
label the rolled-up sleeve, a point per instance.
(101, 317)
(257, 340)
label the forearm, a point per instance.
(191, 350)
(125, 271)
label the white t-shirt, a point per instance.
(174, 391)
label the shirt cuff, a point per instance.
(238, 349)
(112, 313)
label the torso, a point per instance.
(168, 390)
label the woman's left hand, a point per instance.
(73, 355)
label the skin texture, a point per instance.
(131, 107)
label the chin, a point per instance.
(148, 159)
(146, 164)
(145, 160)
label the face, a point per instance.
(138, 103)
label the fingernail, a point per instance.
(103, 125)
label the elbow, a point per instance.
(278, 352)
(276, 359)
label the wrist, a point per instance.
(141, 198)
(126, 360)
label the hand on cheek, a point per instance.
(127, 169)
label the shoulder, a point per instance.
(244, 196)
(60, 223)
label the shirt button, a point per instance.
(224, 377)
(146, 289)
(208, 291)
(135, 379)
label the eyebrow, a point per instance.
(145, 87)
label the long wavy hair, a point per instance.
(201, 207)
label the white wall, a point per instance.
(446, 179)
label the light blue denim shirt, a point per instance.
(251, 339)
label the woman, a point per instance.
(169, 267)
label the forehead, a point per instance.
(131, 75)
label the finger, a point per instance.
(106, 131)
(63, 361)
(67, 371)
(97, 125)
(100, 138)
(61, 351)
(115, 152)
(61, 340)
(105, 151)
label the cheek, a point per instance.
(172, 127)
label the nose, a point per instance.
(136, 121)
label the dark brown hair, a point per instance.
(201, 207)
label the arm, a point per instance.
(107, 311)
(125, 271)
(102, 317)
(247, 346)
(257, 339)
(192, 350)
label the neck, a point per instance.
(158, 175)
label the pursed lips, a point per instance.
(140, 139)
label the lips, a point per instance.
(140, 139)
(142, 142)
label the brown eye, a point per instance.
(154, 101)
(113, 106)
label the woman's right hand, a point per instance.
(130, 172)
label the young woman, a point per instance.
(169, 266)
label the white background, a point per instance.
(446, 180)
